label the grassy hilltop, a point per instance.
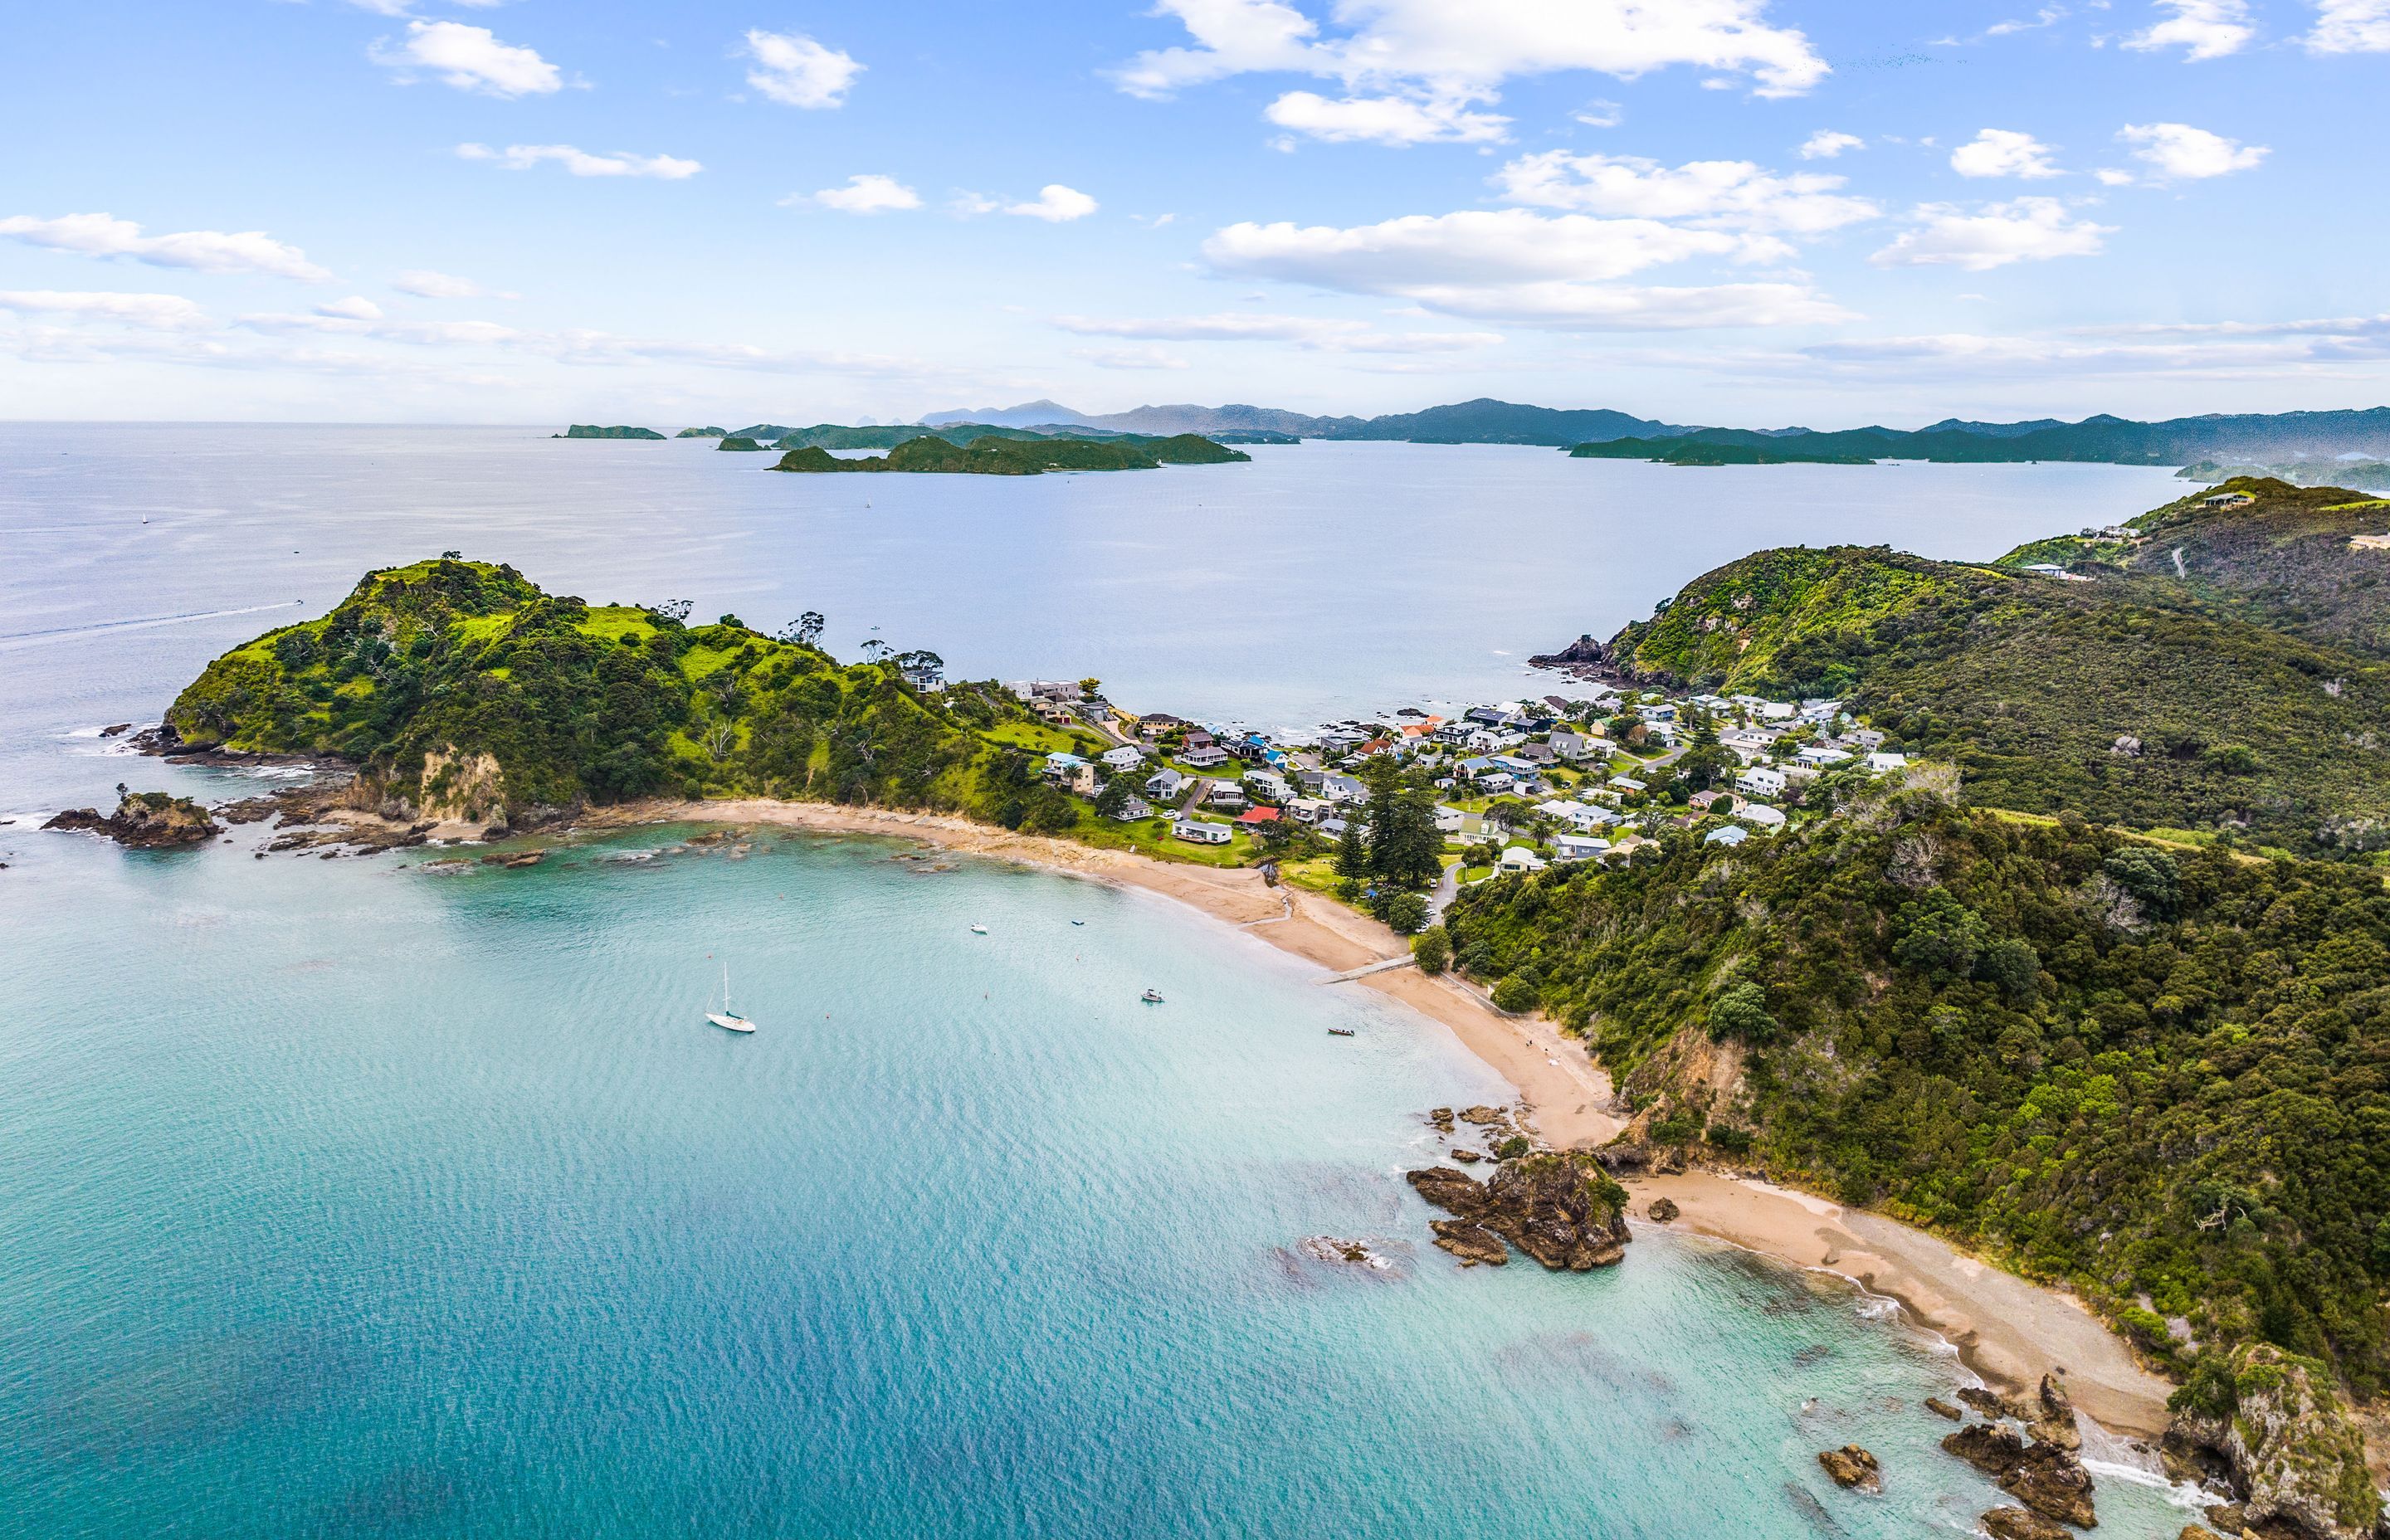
(2134, 699)
(425, 667)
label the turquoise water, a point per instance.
(356, 1198)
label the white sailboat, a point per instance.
(727, 1019)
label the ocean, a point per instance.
(391, 1197)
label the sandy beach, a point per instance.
(2007, 1330)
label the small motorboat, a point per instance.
(1152, 996)
(978, 930)
(1078, 922)
(1340, 1031)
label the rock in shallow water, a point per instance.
(1940, 1407)
(2043, 1477)
(1562, 1209)
(1852, 1467)
(2015, 1524)
(1471, 1243)
(143, 820)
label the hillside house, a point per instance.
(1760, 780)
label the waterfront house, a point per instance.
(1199, 831)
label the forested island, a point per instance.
(2097, 982)
(591, 431)
(1003, 455)
(1694, 450)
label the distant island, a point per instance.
(995, 455)
(1692, 450)
(702, 433)
(2367, 475)
(2247, 439)
(737, 442)
(590, 431)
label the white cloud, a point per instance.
(1828, 143)
(580, 162)
(1514, 265)
(2187, 154)
(201, 250)
(1056, 204)
(2350, 27)
(1600, 114)
(794, 70)
(357, 307)
(1319, 334)
(470, 58)
(866, 193)
(2027, 229)
(1726, 193)
(1436, 48)
(2003, 152)
(1395, 121)
(1129, 358)
(153, 312)
(425, 284)
(401, 8)
(2111, 177)
(2205, 29)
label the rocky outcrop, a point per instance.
(1940, 1407)
(143, 820)
(2048, 1414)
(1583, 650)
(1471, 1243)
(2198, 1532)
(1561, 1208)
(1852, 1467)
(2043, 1477)
(1662, 1210)
(2286, 1439)
(2015, 1524)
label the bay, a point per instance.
(370, 1197)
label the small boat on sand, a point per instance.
(1152, 996)
(1340, 1031)
(978, 930)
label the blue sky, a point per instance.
(1757, 211)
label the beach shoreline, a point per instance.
(2007, 1330)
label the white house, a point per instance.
(1205, 757)
(1731, 835)
(1518, 858)
(1227, 794)
(1759, 780)
(1310, 810)
(1132, 810)
(1579, 816)
(1573, 745)
(1165, 783)
(1270, 784)
(1127, 757)
(1881, 762)
(1577, 847)
(1198, 831)
(1760, 815)
(1627, 783)
(1820, 756)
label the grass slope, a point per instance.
(2027, 684)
